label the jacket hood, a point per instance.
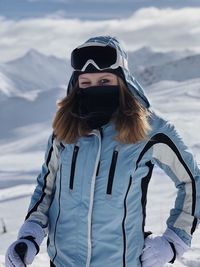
(133, 85)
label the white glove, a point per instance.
(159, 250)
(27, 253)
(24, 250)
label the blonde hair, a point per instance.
(130, 119)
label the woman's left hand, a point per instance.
(157, 251)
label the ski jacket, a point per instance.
(91, 195)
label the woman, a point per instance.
(91, 193)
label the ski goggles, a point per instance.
(101, 56)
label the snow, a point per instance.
(7, 86)
(177, 69)
(146, 57)
(27, 125)
(32, 73)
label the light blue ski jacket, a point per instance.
(91, 195)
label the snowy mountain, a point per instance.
(146, 57)
(26, 76)
(17, 111)
(31, 73)
(177, 70)
(35, 81)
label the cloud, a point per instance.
(161, 29)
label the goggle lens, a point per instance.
(103, 56)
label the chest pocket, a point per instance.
(73, 166)
(112, 172)
(118, 180)
(70, 181)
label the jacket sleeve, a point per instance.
(173, 156)
(42, 196)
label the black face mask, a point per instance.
(96, 104)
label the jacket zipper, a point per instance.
(73, 165)
(58, 215)
(92, 188)
(112, 172)
(101, 135)
(123, 223)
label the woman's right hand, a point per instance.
(23, 251)
(20, 253)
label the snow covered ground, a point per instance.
(21, 158)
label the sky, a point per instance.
(55, 27)
(84, 9)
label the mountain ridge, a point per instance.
(34, 72)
